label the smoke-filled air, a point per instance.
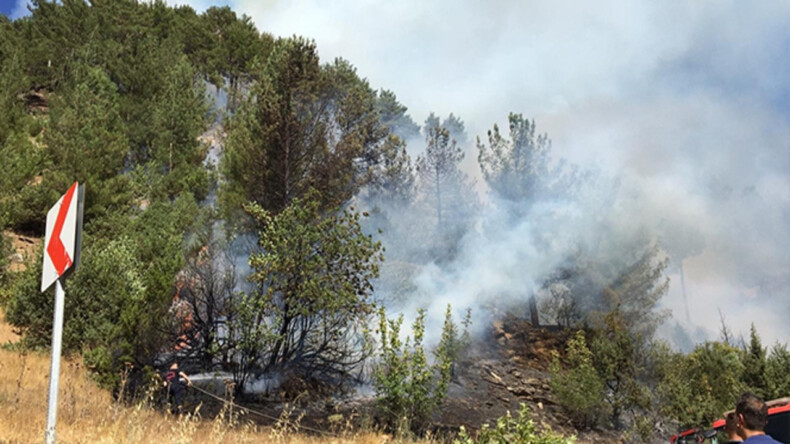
(446, 221)
(679, 111)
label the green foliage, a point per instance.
(177, 119)
(408, 388)
(439, 170)
(510, 430)
(235, 46)
(304, 126)
(391, 179)
(754, 366)
(636, 291)
(776, 373)
(22, 156)
(620, 358)
(86, 143)
(30, 310)
(314, 278)
(452, 124)
(393, 115)
(122, 95)
(578, 388)
(453, 343)
(119, 295)
(12, 83)
(696, 388)
(107, 313)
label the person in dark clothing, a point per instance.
(752, 417)
(176, 383)
(731, 429)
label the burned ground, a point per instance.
(506, 367)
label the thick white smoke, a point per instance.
(687, 104)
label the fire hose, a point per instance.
(261, 414)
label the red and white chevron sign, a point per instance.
(64, 225)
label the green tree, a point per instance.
(695, 389)
(619, 356)
(237, 43)
(86, 143)
(454, 342)
(5, 251)
(776, 373)
(754, 366)
(578, 387)
(119, 296)
(516, 169)
(304, 126)
(107, 315)
(55, 32)
(179, 117)
(197, 41)
(13, 81)
(29, 310)
(392, 179)
(444, 187)
(314, 278)
(453, 124)
(20, 140)
(636, 291)
(393, 115)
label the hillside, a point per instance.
(275, 222)
(87, 413)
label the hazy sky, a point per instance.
(688, 101)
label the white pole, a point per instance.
(54, 369)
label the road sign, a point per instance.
(62, 242)
(61, 255)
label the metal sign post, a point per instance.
(61, 255)
(54, 369)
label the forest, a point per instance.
(257, 212)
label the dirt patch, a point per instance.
(506, 369)
(7, 334)
(24, 250)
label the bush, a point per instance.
(579, 389)
(409, 390)
(510, 430)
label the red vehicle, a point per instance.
(778, 426)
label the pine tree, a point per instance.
(304, 126)
(444, 186)
(516, 169)
(754, 362)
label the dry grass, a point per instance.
(87, 414)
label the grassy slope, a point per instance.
(86, 413)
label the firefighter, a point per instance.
(176, 383)
(752, 417)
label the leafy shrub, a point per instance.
(408, 388)
(510, 430)
(579, 389)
